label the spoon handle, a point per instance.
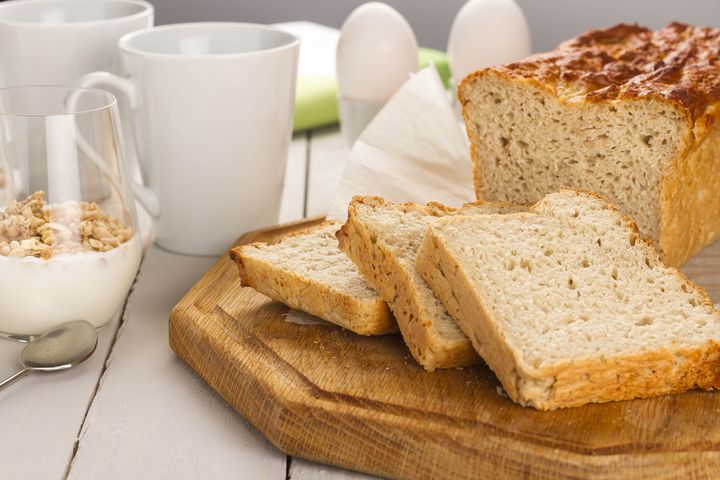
(10, 380)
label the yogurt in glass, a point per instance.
(39, 294)
(62, 262)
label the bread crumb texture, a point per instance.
(308, 272)
(382, 238)
(569, 305)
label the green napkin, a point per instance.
(316, 96)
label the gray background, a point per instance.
(551, 21)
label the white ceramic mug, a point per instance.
(54, 42)
(213, 112)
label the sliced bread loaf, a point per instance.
(308, 272)
(625, 111)
(568, 305)
(382, 239)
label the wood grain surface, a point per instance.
(322, 393)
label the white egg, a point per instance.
(376, 53)
(486, 33)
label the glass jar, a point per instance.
(69, 243)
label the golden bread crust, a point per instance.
(678, 64)
(634, 376)
(690, 207)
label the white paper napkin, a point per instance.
(413, 150)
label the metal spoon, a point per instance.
(61, 348)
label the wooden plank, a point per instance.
(152, 417)
(324, 394)
(328, 155)
(41, 414)
(293, 202)
(303, 470)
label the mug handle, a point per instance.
(147, 198)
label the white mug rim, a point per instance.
(147, 10)
(291, 42)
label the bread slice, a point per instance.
(308, 272)
(625, 111)
(568, 305)
(382, 239)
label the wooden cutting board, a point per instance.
(322, 393)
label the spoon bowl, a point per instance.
(59, 349)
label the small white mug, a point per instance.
(213, 111)
(53, 42)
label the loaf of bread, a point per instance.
(382, 239)
(568, 305)
(308, 272)
(626, 112)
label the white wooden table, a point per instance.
(134, 410)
